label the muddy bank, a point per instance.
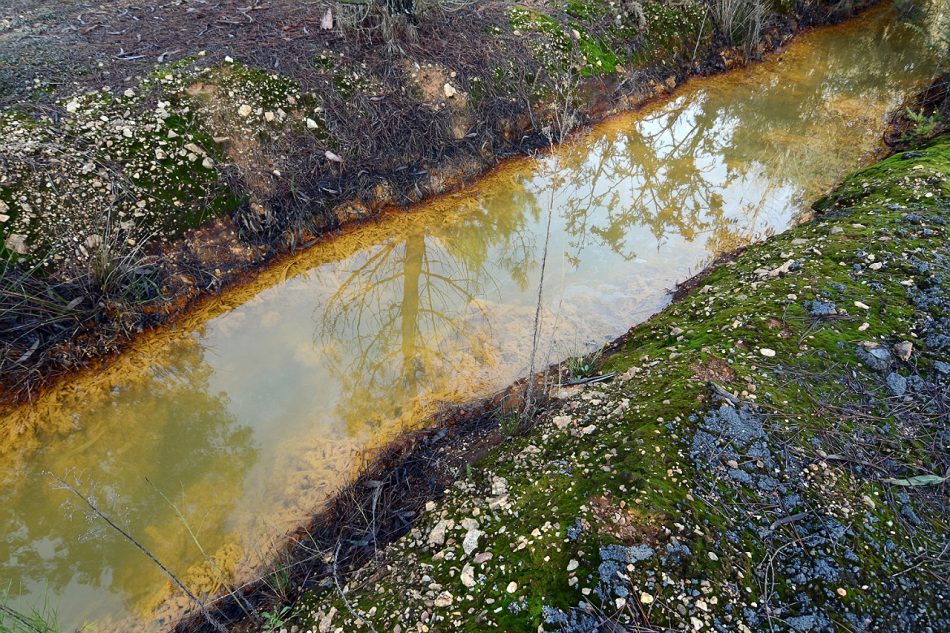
(770, 452)
(182, 179)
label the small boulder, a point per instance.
(470, 543)
(468, 576)
(17, 243)
(896, 383)
(903, 350)
(445, 599)
(437, 535)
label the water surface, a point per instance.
(249, 415)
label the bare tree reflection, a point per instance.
(711, 163)
(402, 308)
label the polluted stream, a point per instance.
(211, 441)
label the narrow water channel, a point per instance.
(250, 414)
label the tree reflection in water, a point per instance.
(715, 167)
(726, 163)
(403, 310)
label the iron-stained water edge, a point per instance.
(247, 420)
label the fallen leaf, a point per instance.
(919, 480)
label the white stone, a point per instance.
(469, 524)
(468, 576)
(311, 124)
(780, 270)
(499, 485)
(444, 600)
(572, 565)
(645, 598)
(245, 110)
(17, 243)
(470, 542)
(561, 421)
(437, 535)
(449, 91)
(512, 587)
(768, 353)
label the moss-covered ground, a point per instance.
(771, 454)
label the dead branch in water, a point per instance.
(202, 607)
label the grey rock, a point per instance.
(896, 383)
(819, 308)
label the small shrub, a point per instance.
(583, 366)
(390, 20)
(275, 620)
(924, 125)
(740, 22)
(118, 267)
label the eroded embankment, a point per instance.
(771, 455)
(122, 206)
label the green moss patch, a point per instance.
(115, 162)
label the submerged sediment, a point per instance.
(770, 454)
(129, 192)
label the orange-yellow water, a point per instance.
(255, 410)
